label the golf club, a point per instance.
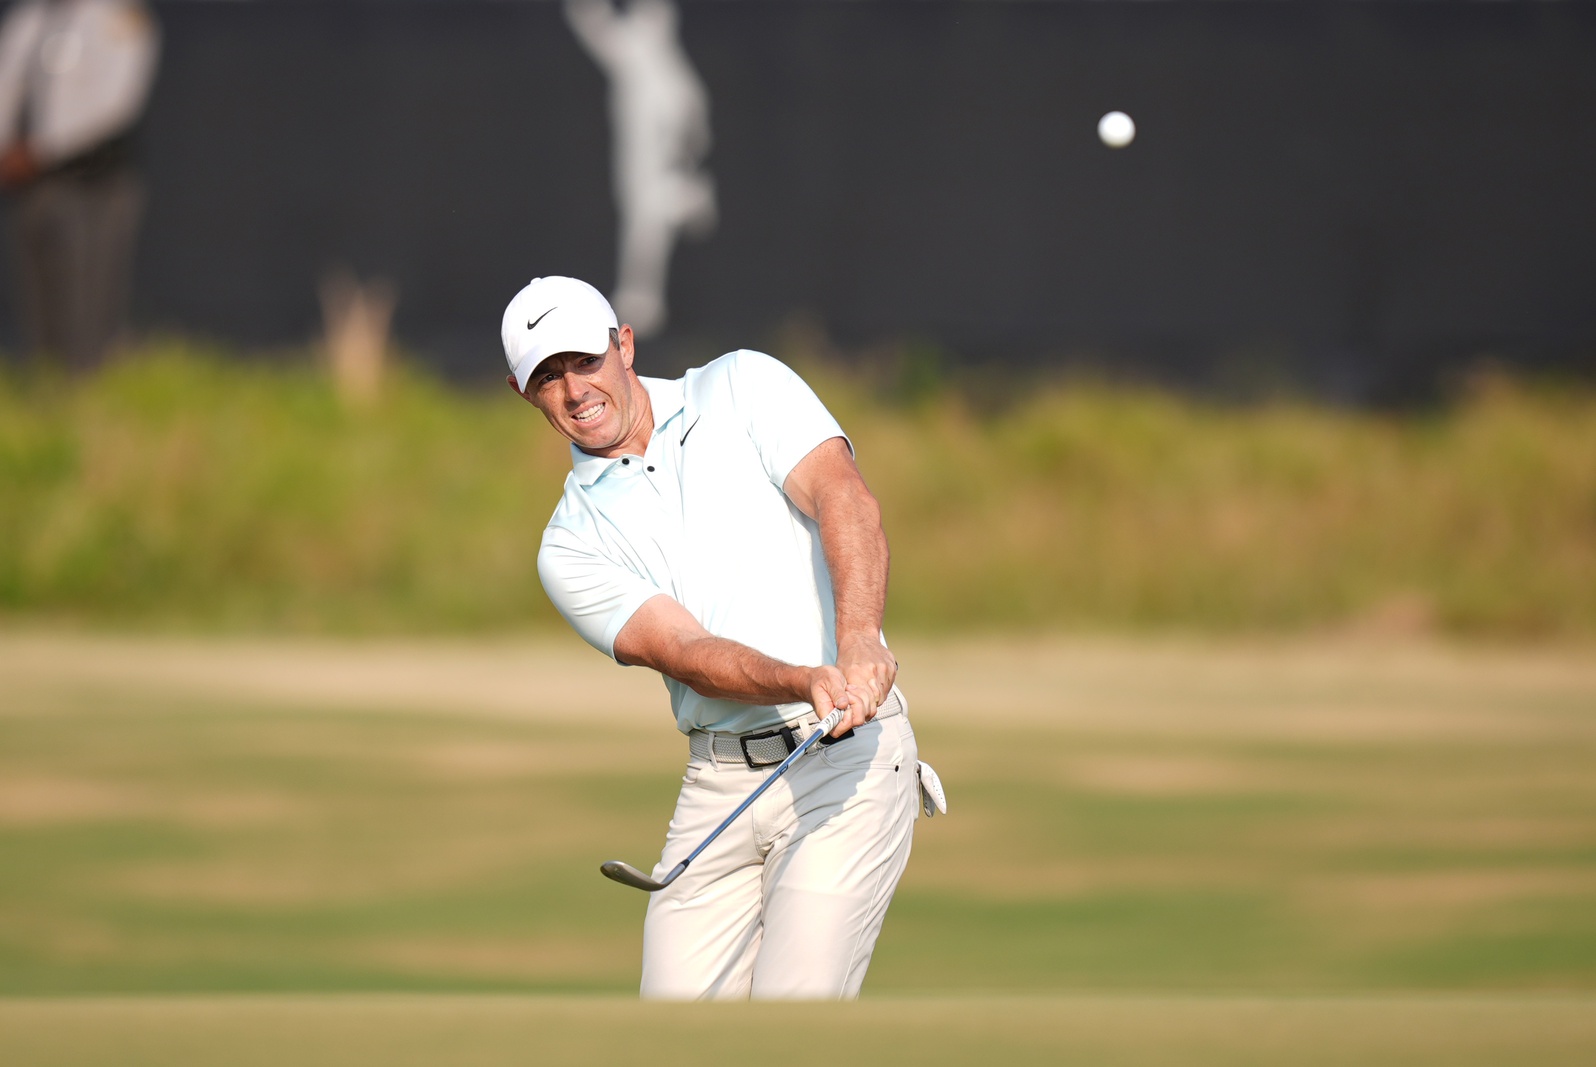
(626, 874)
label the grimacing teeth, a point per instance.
(590, 414)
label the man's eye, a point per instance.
(589, 361)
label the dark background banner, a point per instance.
(1355, 198)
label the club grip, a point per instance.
(829, 723)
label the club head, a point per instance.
(626, 874)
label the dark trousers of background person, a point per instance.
(75, 236)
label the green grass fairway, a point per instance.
(1194, 821)
(486, 1031)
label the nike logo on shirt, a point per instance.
(683, 441)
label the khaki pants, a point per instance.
(787, 903)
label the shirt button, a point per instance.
(626, 463)
(651, 470)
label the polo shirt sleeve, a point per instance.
(785, 419)
(596, 595)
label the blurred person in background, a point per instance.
(74, 78)
(659, 122)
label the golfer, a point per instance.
(716, 529)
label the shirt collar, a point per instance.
(665, 397)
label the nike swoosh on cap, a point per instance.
(533, 324)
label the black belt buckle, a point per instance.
(829, 740)
(786, 735)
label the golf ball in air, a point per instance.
(1116, 129)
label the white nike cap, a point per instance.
(553, 315)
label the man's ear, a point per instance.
(509, 379)
(625, 342)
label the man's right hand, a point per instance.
(829, 688)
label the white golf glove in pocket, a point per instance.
(933, 801)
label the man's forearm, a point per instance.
(827, 487)
(726, 670)
(858, 558)
(665, 636)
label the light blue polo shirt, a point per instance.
(701, 517)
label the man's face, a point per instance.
(594, 400)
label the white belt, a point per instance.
(770, 747)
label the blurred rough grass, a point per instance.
(188, 489)
(182, 487)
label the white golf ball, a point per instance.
(1116, 129)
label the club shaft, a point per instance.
(827, 724)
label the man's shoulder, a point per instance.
(738, 371)
(738, 361)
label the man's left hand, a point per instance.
(870, 669)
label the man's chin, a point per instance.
(591, 440)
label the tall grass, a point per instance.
(184, 488)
